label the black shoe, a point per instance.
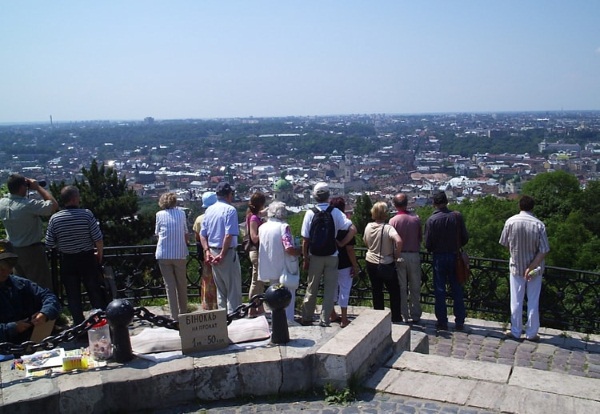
(459, 327)
(441, 326)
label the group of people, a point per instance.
(27, 296)
(327, 247)
(274, 252)
(393, 261)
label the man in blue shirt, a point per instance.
(23, 303)
(219, 238)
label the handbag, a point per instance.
(385, 271)
(462, 259)
(247, 244)
(462, 267)
(290, 277)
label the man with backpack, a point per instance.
(319, 247)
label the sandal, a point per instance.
(343, 324)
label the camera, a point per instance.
(41, 183)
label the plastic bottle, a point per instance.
(533, 273)
(100, 343)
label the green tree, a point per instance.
(587, 205)
(485, 219)
(362, 213)
(114, 204)
(555, 193)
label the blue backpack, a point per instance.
(322, 233)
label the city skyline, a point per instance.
(186, 59)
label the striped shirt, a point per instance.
(525, 236)
(171, 229)
(73, 230)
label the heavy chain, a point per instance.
(242, 310)
(158, 320)
(51, 342)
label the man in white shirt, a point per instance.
(318, 265)
(525, 236)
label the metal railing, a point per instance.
(570, 299)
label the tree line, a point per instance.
(569, 212)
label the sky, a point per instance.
(127, 60)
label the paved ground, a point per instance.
(565, 352)
(366, 402)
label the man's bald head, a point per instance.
(400, 201)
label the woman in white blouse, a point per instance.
(172, 252)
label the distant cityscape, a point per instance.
(466, 155)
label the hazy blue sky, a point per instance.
(82, 60)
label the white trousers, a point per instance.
(342, 295)
(518, 287)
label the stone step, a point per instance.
(314, 356)
(356, 349)
(486, 385)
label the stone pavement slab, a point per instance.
(556, 383)
(437, 365)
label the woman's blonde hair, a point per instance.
(379, 211)
(167, 200)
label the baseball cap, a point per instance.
(320, 189)
(223, 188)
(209, 198)
(7, 250)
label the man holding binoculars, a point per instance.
(22, 220)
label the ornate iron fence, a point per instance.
(570, 299)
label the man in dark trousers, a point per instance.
(76, 234)
(445, 234)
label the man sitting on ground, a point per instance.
(23, 303)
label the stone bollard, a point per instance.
(120, 313)
(278, 297)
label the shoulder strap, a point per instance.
(381, 242)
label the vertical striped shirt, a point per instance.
(73, 230)
(525, 236)
(171, 229)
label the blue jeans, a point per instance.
(444, 272)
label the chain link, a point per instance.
(159, 320)
(242, 310)
(51, 342)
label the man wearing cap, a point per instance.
(218, 235)
(22, 220)
(75, 233)
(325, 267)
(208, 292)
(445, 233)
(23, 303)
